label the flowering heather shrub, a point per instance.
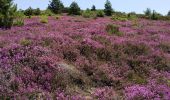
(165, 47)
(78, 60)
(104, 54)
(161, 63)
(105, 93)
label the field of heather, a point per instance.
(76, 58)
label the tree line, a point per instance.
(8, 11)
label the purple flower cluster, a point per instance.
(75, 58)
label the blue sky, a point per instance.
(161, 6)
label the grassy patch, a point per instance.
(113, 29)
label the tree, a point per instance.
(148, 12)
(93, 8)
(37, 11)
(74, 9)
(7, 13)
(108, 8)
(155, 15)
(29, 12)
(56, 6)
(168, 13)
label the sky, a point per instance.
(138, 6)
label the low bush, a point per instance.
(57, 17)
(47, 12)
(161, 63)
(104, 54)
(133, 77)
(70, 56)
(138, 66)
(113, 29)
(165, 47)
(18, 22)
(25, 42)
(119, 18)
(44, 19)
(136, 49)
(100, 13)
(86, 50)
(86, 14)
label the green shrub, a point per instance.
(37, 11)
(113, 29)
(74, 9)
(44, 19)
(119, 17)
(29, 12)
(25, 42)
(87, 14)
(7, 13)
(47, 12)
(57, 17)
(18, 22)
(100, 13)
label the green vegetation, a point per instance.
(108, 8)
(100, 13)
(44, 19)
(93, 8)
(56, 6)
(7, 13)
(113, 29)
(25, 42)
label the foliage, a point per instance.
(57, 17)
(93, 8)
(18, 22)
(56, 6)
(47, 12)
(29, 12)
(154, 15)
(148, 12)
(25, 42)
(75, 59)
(113, 29)
(44, 19)
(108, 8)
(87, 13)
(37, 11)
(7, 13)
(168, 13)
(100, 13)
(74, 9)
